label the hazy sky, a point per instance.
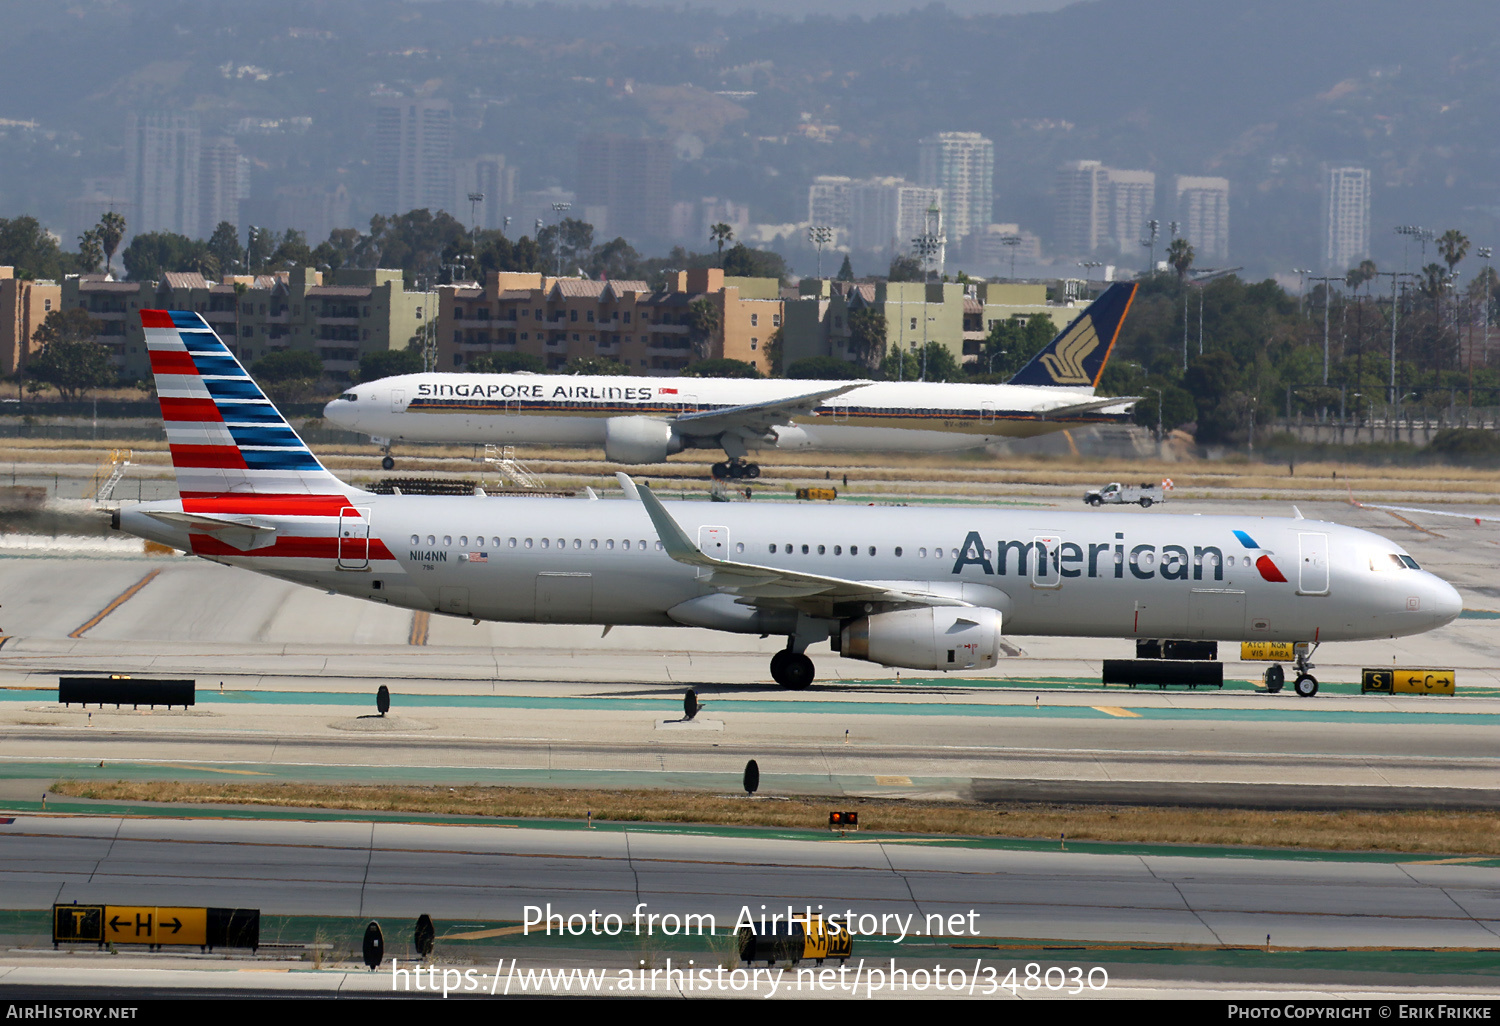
(845, 7)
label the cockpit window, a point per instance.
(1392, 561)
(349, 397)
(1410, 562)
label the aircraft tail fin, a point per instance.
(1076, 357)
(224, 434)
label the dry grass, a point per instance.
(969, 473)
(1445, 833)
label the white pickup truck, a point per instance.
(1145, 493)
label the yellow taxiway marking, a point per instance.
(119, 600)
(893, 781)
(419, 624)
(1115, 710)
(1451, 862)
(503, 931)
(206, 769)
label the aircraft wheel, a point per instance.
(720, 471)
(792, 670)
(1306, 685)
(752, 470)
(1145, 502)
(388, 464)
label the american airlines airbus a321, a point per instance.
(925, 589)
(644, 420)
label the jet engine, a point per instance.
(931, 638)
(637, 440)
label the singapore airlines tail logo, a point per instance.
(1065, 362)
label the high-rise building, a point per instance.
(162, 151)
(962, 164)
(486, 176)
(1132, 201)
(1081, 207)
(413, 155)
(828, 201)
(222, 179)
(1203, 213)
(1346, 217)
(313, 210)
(632, 179)
(886, 214)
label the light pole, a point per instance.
(1010, 242)
(1395, 276)
(820, 235)
(1301, 273)
(1153, 228)
(1327, 296)
(1088, 268)
(560, 209)
(475, 198)
(1485, 252)
(1422, 235)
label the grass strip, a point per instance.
(1455, 834)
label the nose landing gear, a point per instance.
(735, 469)
(1306, 685)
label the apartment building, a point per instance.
(649, 331)
(23, 307)
(359, 311)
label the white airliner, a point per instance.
(644, 420)
(919, 588)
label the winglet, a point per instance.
(627, 485)
(673, 538)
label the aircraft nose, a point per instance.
(1446, 604)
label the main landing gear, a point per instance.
(735, 469)
(792, 670)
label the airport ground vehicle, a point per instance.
(911, 587)
(1115, 493)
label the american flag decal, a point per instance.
(479, 557)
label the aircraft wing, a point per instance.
(765, 585)
(757, 418)
(1056, 412)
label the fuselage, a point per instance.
(1094, 574)
(895, 416)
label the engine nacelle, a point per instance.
(637, 440)
(932, 638)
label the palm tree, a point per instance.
(703, 322)
(90, 252)
(111, 230)
(721, 233)
(1180, 256)
(1454, 245)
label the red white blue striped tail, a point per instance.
(224, 434)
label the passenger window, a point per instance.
(838, 550)
(898, 551)
(822, 550)
(546, 543)
(609, 543)
(921, 553)
(416, 539)
(578, 543)
(739, 547)
(496, 542)
(562, 543)
(773, 548)
(804, 550)
(448, 541)
(593, 543)
(512, 543)
(463, 541)
(431, 540)
(658, 546)
(528, 543)
(871, 552)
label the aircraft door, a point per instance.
(1312, 566)
(1046, 571)
(987, 411)
(354, 539)
(714, 541)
